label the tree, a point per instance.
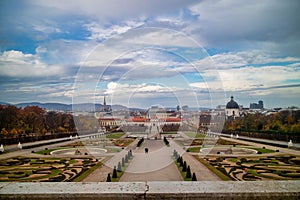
(188, 172)
(108, 179)
(115, 175)
(119, 167)
(123, 162)
(13, 131)
(184, 167)
(181, 161)
(194, 178)
(4, 131)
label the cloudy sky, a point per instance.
(140, 53)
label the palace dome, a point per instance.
(232, 104)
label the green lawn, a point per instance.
(262, 150)
(115, 135)
(194, 135)
(194, 149)
(233, 160)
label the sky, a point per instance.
(142, 53)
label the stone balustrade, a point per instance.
(152, 190)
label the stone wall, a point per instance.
(152, 190)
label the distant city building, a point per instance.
(232, 109)
(259, 105)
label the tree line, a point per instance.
(33, 119)
(284, 124)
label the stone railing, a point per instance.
(152, 190)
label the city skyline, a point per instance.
(196, 53)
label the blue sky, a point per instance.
(142, 53)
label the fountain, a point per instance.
(226, 150)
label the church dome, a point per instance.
(232, 104)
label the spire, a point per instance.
(104, 102)
(104, 105)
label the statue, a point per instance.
(20, 145)
(290, 144)
(2, 148)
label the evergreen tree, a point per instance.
(115, 175)
(128, 155)
(181, 161)
(194, 177)
(119, 167)
(178, 159)
(188, 172)
(123, 162)
(108, 179)
(184, 167)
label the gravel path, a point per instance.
(157, 165)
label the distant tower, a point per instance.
(260, 104)
(104, 105)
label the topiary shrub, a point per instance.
(140, 142)
(181, 162)
(123, 162)
(184, 168)
(108, 179)
(119, 167)
(194, 178)
(115, 175)
(188, 172)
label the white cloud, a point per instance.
(113, 9)
(241, 58)
(100, 32)
(160, 37)
(232, 24)
(254, 78)
(17, 64)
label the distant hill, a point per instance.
(47, 106)
(84, 107)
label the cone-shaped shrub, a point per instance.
(123, 162)
(128, 155)
(175, 154)
(115, 175)
(194, 178)
(178, 159)
(184, 167)
(119, 167)
(108, 179)
(188, 172)
(181, 161)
